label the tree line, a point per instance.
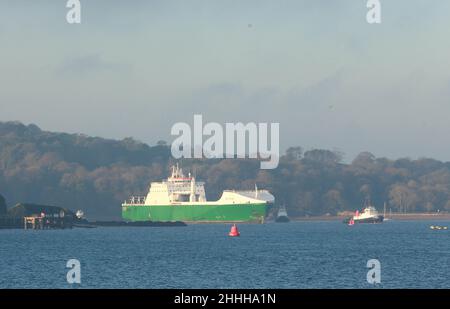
(76, 171)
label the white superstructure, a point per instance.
(368, 213)
(181, 190)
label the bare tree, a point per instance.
(403, 198)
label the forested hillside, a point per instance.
(95, 174)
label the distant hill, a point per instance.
(94, 174)
(74, 170)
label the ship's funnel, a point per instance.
(192, 196)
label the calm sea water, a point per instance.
(293, 255)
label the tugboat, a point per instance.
(368, 215)
(282, 216)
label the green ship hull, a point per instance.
(196, 213)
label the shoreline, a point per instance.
(398, 217)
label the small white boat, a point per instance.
(438, 227)
(282, 216)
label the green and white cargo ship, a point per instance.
(181, 198)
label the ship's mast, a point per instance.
(177, 172)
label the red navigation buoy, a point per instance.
(351, 222)
(234, 231)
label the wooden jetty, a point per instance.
(37, 217)
(44, 222)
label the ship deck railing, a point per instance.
(136, 200)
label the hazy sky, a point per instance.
(134, 68)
